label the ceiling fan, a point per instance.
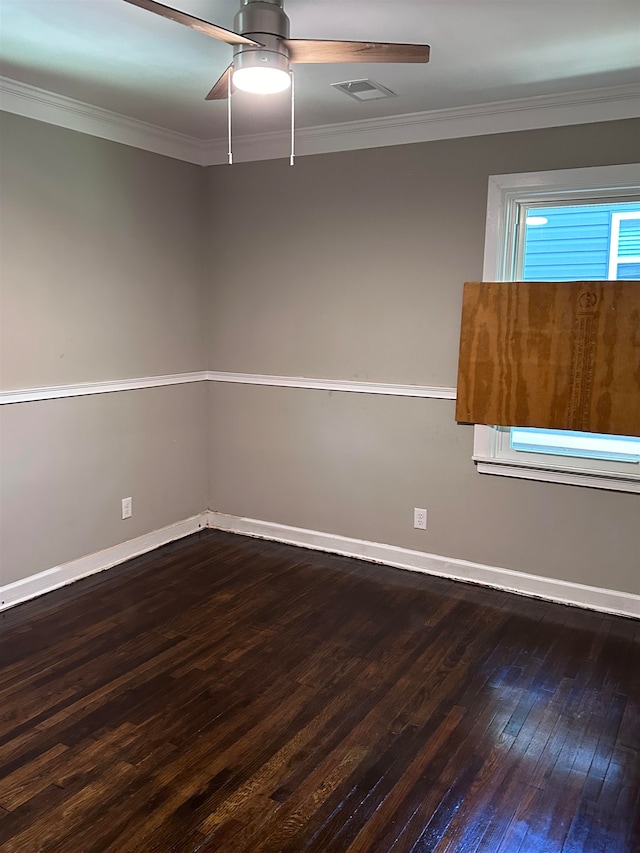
(263, 51)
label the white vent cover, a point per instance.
(364, 90)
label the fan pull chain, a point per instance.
(293, 119)
(230, 152)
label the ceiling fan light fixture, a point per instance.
(262, 72)
(261, 80)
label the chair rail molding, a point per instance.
(81, 389)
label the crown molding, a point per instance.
(593, 105)
(41, 105)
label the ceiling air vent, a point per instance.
(364, 90)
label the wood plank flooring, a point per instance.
(232, 695)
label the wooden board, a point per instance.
(555, 355)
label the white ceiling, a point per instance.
(122, 58)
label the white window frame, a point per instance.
(615, 258)
(506, 193)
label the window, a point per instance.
(579, 224)
(624, 258)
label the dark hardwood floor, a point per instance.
(227, 694)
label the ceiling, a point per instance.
(122, 58)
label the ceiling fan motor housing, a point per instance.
(265, 22)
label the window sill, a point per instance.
(571, 477)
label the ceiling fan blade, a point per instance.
(308, 50)
(220, 91)
(205, 27)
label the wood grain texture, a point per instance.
(204, 27)
(556, 355)
(232, 695)
(220, 89)
(316, 50)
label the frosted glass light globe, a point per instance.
(261, 80)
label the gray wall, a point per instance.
(350, 266)
(101, 259)
(118, 263)
(66, 464)
(100, 252)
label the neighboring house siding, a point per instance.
(574, 245)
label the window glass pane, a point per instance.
(573, 242)
(582, 444)
(629, 238)
(628, 271)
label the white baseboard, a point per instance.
(22, 590)
(564, 592)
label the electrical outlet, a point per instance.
(420, 519)
(127, 507)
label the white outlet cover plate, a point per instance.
(420, 518)
(127, 507)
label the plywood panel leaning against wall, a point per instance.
(554, 355)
